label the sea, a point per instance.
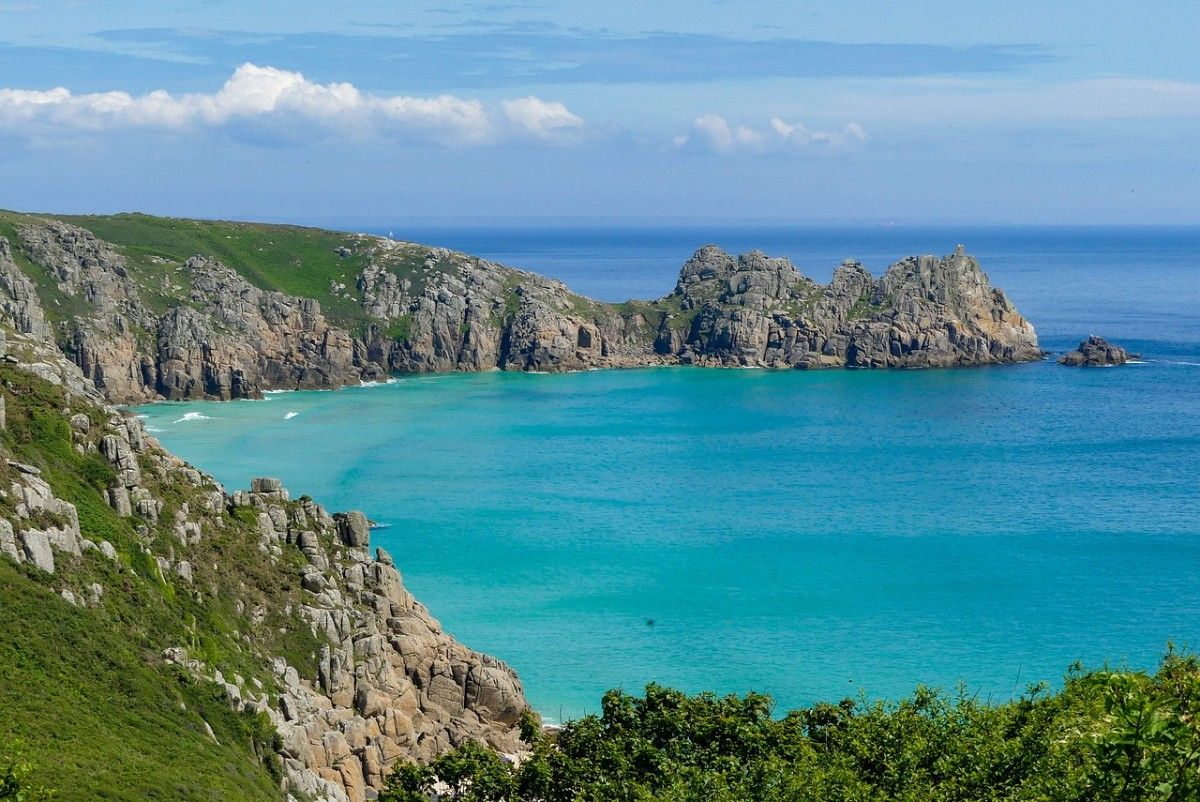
(812, 535)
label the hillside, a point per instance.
(161, 639)
(155, 307)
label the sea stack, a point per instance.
(1096, 352)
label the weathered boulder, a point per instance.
(37, 549)
(354, 528)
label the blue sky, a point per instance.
(926, 111)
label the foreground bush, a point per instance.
(1107, 735)
(15, 771)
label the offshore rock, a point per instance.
(1096, 352)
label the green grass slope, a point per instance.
(102, 722)
(85, 688)
(291, 259)
(297, 260)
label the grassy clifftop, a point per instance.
(295, 260)
(85, 687)
(291, 259)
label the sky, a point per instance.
(928, 111)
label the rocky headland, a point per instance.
(1096, 352)
(311, 641)
(157, 315)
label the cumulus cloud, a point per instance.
(266, 94)
(716, 133)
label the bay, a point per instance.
(811, 535)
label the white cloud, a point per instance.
(266, 94)
(542, 119)
(721, 136)
(716, 133)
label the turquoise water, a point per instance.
(806, 534)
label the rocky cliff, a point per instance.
(274, 602)
(207, 320)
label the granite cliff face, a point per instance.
(924, 312)
(462, 313)
(202, 329)
(308, 629)
(221, 337)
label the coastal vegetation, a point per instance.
(1118, 735)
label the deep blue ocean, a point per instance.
(811, 535)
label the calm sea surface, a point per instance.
(811, 535)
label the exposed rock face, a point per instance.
(461, 313)
(1096, 352)
(392, 685)
(237, 340)
(923, 312)
(436, 310)
(18, 297)
(227, 339)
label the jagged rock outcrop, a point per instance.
(455, 312)
(19, 301)
(237, 340)
(1096, 352)
(923, 312)
(391, 684)
(423, 310)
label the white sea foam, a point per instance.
(290, 415)
(191, 416)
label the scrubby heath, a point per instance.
(1107, 735)
(166, 308)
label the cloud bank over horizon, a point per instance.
(259, 94)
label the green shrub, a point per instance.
(1107, 736)
(15, 772)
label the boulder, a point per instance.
(265, 484)
(353, 528)
(37, 549)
